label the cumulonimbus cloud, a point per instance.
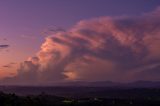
(105, 48)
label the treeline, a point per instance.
(50, 100)
(31, 100)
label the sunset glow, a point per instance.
(57, 41)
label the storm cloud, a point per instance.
(105, 48)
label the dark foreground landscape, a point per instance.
(78, 96)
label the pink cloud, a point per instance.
(106, 48)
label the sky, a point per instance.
(44, 41)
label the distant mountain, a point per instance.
(143, 84)
(136, 84)
(91, 84)
(93, 89)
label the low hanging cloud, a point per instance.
(105, 48)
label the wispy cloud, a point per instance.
(4, 46)
(10, 65)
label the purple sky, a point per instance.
(23, 22)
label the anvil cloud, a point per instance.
(106, 48)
